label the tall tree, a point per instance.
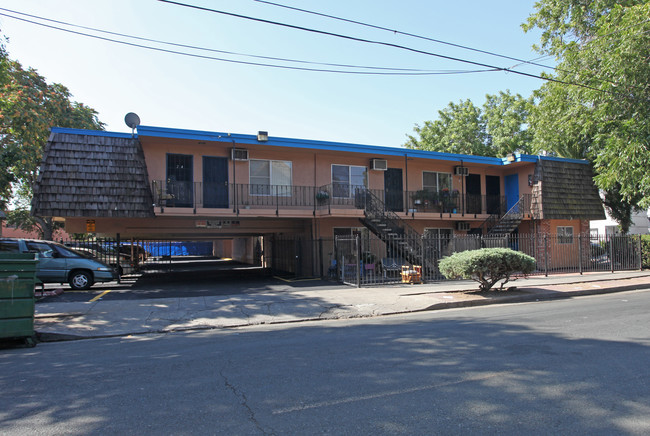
(496, 129)
(506, 121)
(6, 177)
(30, 107)
(460, 128)
(603, 46)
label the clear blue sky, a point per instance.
(182, 92)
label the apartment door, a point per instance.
(393, 189)
(215, 182)
(493, 194)
(473, 190)
(180, 180)
(512, 190)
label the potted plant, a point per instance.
(322, 196)
(424, 197)
(448, 199)
(419, 197)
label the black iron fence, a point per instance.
(130, 256)
(369, 260)
(240, 196)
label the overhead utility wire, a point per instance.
(286, 67)
(397, 32)
(386, 44)
(224, 51)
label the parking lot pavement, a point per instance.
(166, 306)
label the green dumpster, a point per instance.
(17, 279)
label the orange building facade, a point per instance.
(236, 189)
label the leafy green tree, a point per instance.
(599, 106)
(6, 177)
(619, 208)
(496, 129)
(506, 121)
(30, 107)
(566, 24)
(460, 128)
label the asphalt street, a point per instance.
(576, 366)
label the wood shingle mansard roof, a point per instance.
(565, 190)
(87, 174)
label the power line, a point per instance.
(386, 44)
(224, 51)
(320, 70)
(412, 35)
(398, 32)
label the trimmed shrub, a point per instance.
(487, 266)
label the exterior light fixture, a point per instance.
(510, 157)
(262, 136)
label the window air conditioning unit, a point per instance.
(379, 164)
(462, 225)
(461, 171)
(239, 154)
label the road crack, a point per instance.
(243, 400)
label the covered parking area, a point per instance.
(184, 244)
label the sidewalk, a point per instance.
(63, 321)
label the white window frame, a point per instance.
(281, 189)
(350, 186)
(438, 188)
(564, 236)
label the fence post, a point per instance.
(338, 262)
(358, 262)
(611, 251)
(320, 256)
(640, 255)
(580, 253)
(545, 255)
(117, 255)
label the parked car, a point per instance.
(125, 266)
(59, 264)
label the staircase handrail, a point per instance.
(493, 218)
(374, 207)
(377, 207)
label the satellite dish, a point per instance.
(132, 120)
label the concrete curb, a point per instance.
(524, 295)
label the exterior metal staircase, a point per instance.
(398, 235)
(506, 224)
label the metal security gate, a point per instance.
(369, 260)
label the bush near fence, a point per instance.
(487, 266)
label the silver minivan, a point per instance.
(59, 264)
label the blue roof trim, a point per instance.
(198, 135)
(91, 132)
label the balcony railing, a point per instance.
(327, 197)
